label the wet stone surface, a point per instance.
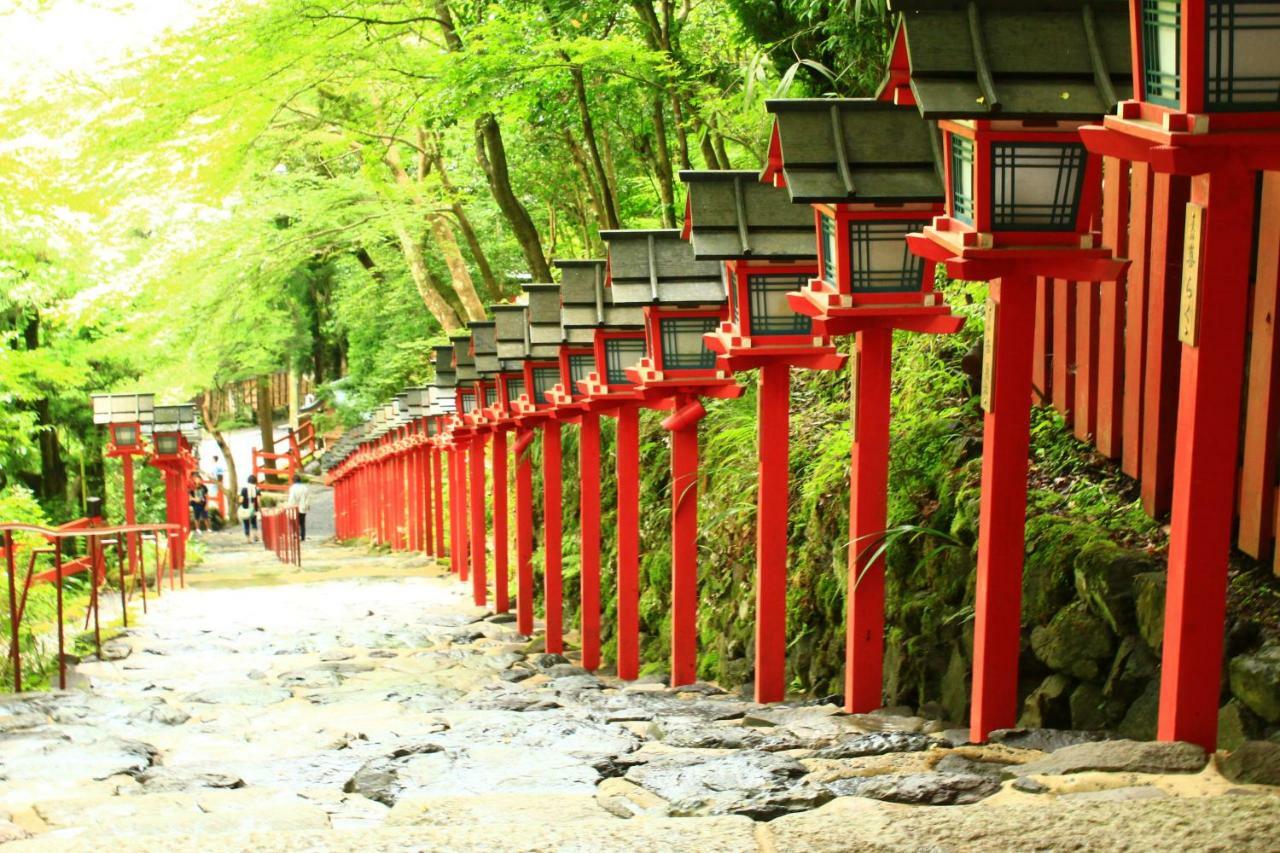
(365, 699)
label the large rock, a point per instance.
(877, 743)
(761, 785)
(1255, 762)
(1053, 544)
(686, 734)
(1048, 706)
(1104, 576)
(1075, 642)
(1237, 724)
(1128, 756)
(1148, 600)
(248, 694)
(1044, 740)
(379, 779)
(1245, 824)
(1140, 720)
(495, 808)
(924, 789)
(1092, 709)
(1255, 681)
(1133, 668)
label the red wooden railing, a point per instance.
(1107, 357)
(281, 534)
(99, 541)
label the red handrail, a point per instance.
(281, 533)
(97, 539)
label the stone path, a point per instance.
(362, 704)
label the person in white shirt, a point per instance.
(300, 500)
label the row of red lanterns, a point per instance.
(981, 154)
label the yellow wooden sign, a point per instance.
(989, 357)
(1189, 309)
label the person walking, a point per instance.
(300, 499)
(198, 496)
(248, 509)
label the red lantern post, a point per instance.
(683, 299)
(767, 247)
(1204, 116)
(1021, 196)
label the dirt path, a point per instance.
(363, 704)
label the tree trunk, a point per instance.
(422, 278)
(682, 132)
(580, 164)
(662, 163)
(53, 471)
(589, 135)
(721, 152)
(492, 157)
(209, 415)
(708, 151)
(266, 427)
(459, 275)
(492, 287)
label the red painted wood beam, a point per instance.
(683, 425)
(1262, 405)
(1160, 381)
(1205, 464)
(773, 416)
(628, 473)
(1085, 413)
(455, 550)
(479, 560)
(864, 634)
(1135, 326)
(552, 517)
(502, 602)
(1042, 345)
(1003, 509)
(589, 529)
(524, 531)
(437, 477)
(1110, 372)
(464, 501)
(1064, 348)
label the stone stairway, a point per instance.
(361, 703)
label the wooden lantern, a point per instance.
(683, 299)
(1011, 88)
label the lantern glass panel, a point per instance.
(1161, 53)
(962, 178)
(882, 263)
(515, 388)
(580, 367)
(1243, 70)
(827, 231)
(1037, 185)
(490, 395)
(619, 354)
(468, 401)
(682, 345)
(167, 444)
(771, 314)
(544, 379)
(124, 436)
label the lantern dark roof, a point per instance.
(544, 313)
(587, 304)
(731, 214)
(511, 330)
(484, 346)
(855, 150)
(658, 268)
(464, 363)
(1060, 59)
(445, 375)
